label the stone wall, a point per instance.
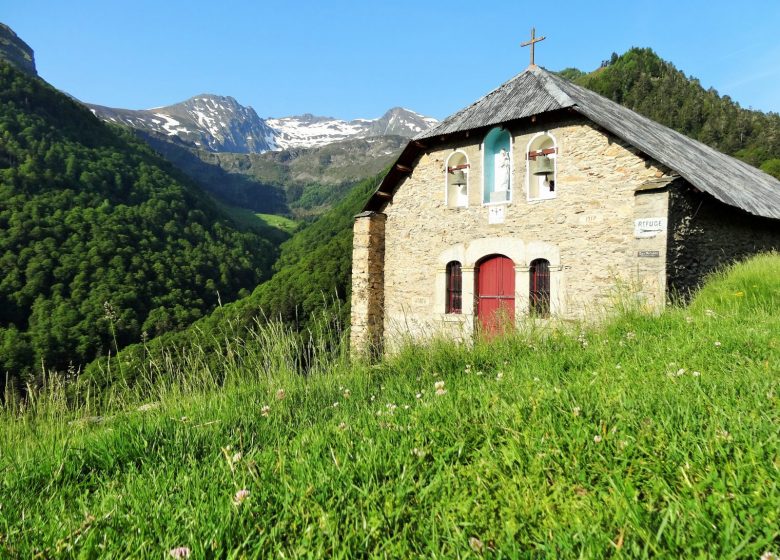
(367, 304)
(706, 234)
(586, 231)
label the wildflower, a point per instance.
(391, 408)
(440, 392)
(265, 411)
(696, 373)
(499, 376)
(438, 385)
(406, 407)
(476, 545)
(630, 335)
(623, 444)
(618, 366)
(343, 426)
(723, 434)
(717, 343)
(372, 398)
(597, 438)
(236, 457)
(347, 393)
(680, 372)
(335, 404)
(576, 410)
(419, 452)
(240, 496)
(536, 379)
(148, 406)
(480, 372)
(768, 555)
(280, 394)
(180, 552)
(709, 312)
(688, 319)
(418, 396)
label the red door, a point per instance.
(496, 293)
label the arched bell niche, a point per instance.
(497, 165)
(456, 181)
(542, 168)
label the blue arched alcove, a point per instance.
(497, 178)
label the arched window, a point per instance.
(497, 165)
(456, 187)
(542, 168)
(539, 289)
(454, 288)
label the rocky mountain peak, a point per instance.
(16, 51)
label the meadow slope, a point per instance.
(643, 436)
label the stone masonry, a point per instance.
(705, 234)
(586, 233)
(367, 304)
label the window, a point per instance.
(539, 289)
(454, 288)
(456, 187)
(542, 167)
(497, 165)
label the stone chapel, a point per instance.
(541, 198)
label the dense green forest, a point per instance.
(311, 285)
(647, 84)
(102, 242)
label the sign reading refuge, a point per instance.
(649, 227)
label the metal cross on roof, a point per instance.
(534, 39)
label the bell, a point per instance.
(543, 166)
(458, 178)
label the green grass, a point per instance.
(645, 436)
(283, 223)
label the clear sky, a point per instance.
(352, 59)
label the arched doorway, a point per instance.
(495, 278)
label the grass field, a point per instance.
(645, 436)
(279, 222)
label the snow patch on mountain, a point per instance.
(221, 124)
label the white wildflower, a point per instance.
(180, 552)
(280, 394)
(438, 385)
(240, 497)
(476, 545)
(576, 411)
(597, 438)
(696, 374)
(266, 410)
(440, 392)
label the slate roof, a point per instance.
(536, 91)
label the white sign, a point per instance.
(495, 214)
(649, 227)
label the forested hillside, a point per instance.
(102, 242)
(311, 284)
(647, 84)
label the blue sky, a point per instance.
(352, 59)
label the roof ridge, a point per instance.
(548, 80)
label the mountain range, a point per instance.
(216, 123)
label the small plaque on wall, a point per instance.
(496, 214)
(648, 254)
